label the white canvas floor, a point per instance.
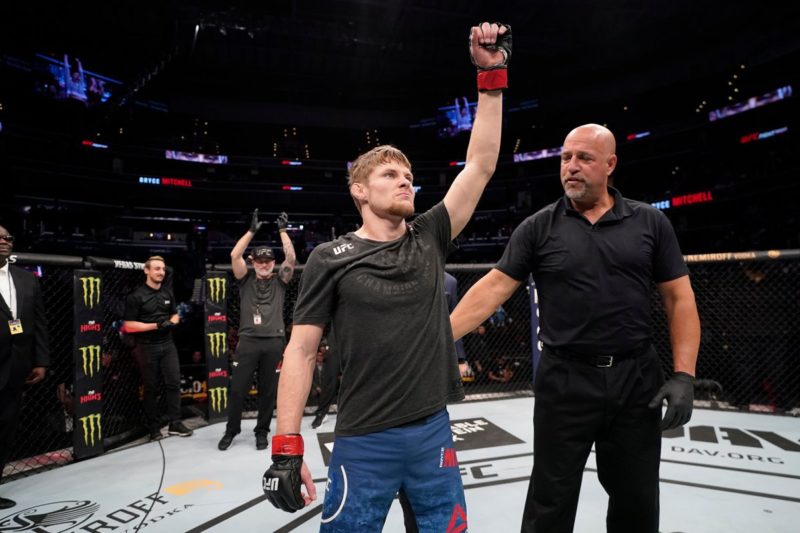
(726, 472)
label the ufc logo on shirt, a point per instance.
(342, 248)
(271, 484)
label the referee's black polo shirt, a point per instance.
(594, 282)
(146, 304)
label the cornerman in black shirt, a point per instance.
(594, 256)
(381, 288)
(151, 314)
(262, 333)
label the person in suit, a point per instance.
(24, 351)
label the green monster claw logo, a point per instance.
(91, 425)
(91, 291)
(217, 343)
(219, 398)
(90, 355)
(216, 289)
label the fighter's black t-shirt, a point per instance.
(148, 305)
(261, 298)
(386, 302)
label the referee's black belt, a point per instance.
(598, 360)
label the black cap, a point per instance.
(262, 252)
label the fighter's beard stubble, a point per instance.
(401, 209)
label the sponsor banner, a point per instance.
(217, 288)
(159, 509)
(88, 288)
(474, 433)
(193, 382)
(89, 360)
(734, 445)
(217, 400)
(468, 434)
(88, 363)
(217, 285)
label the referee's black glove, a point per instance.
(255, 224)
(166, 324)
(679, 393)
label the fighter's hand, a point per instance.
(254, 223)
(282, 481)
(679, 393)
(490, 45)
(37, 374)
(282, 221)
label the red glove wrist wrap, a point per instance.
(291, 444)
(492, 80)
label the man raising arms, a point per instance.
(381, 287)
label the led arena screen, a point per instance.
(64, 78)
(761, 135)
(165, 181)
(637, 136)
(684, 199)
(452, 120)
(537, 154)
(753, 102)
(196, 157)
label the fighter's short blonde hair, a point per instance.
(366, 162)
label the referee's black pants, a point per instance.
(577, 405)
(263, 353)
(159, 361)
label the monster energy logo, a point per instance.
(90, 355)
(216, 289)
(91, 291)
(216, 343)
(219, 398)
(91, 425)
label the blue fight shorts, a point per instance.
(367, 471)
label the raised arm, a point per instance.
(480, 301)
(490, 47)
(238, 264)
(286, 271)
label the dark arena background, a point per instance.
(129, 130)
